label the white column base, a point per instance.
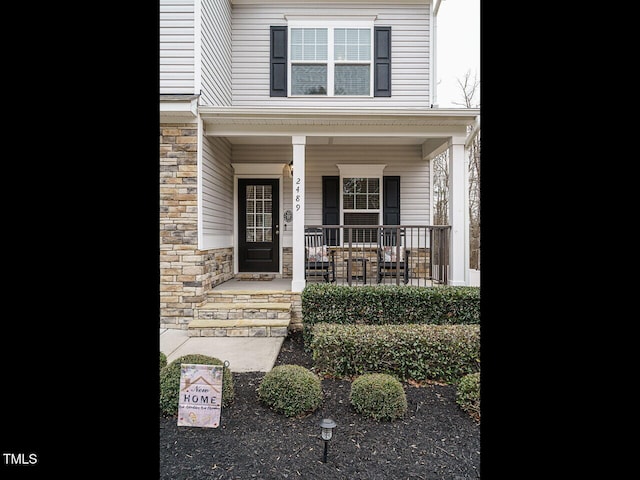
(298, 285)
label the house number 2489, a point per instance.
(298, 194)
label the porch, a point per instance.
(416, 255)
(263, 304)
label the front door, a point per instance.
(258, 229)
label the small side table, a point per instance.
(360, 260)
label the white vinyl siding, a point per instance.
(177, 47)
(322, 160)
(217, 192)
(407, 163)
(410, 53)
(216, 53)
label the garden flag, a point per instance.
(200, 397)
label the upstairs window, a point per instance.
(330, 59)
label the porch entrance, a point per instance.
(258, 228)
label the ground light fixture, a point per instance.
(327, 426)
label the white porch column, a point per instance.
(298, 282)
(458, 213)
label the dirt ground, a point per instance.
(435, 439)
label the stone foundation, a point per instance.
(186, 272)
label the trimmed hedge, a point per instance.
(389, 305)
(170, 382)
(410, 352)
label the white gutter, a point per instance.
(474, 131)
(275, 113)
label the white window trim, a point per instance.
(330, 23)
(361, 171)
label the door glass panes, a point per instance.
(259, 213)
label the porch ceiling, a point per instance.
(431, 128)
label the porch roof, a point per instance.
(429, 127)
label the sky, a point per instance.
(458, 49)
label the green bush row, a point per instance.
(390, 305)
(410, 352)
(293, 390)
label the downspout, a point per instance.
(434, 49)
(473, 132)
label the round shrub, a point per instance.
(468, 394)
(378, 395)
(163, 360)
(170, 382)
(291, 389)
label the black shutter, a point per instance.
(382, 62)
(331, 207)
(278, 59)
(391, 200)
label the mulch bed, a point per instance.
(435, 440)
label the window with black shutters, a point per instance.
(330, 59)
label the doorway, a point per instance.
(258, 225)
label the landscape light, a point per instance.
(327, 426)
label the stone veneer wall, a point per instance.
(185, 271)
(287, 262)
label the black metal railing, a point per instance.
(378, 254)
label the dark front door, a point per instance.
(258, 229)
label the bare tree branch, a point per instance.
(469, 88)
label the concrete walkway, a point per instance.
(245, 354)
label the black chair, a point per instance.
(319, 260)
(391, 242)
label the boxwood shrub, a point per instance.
(170, 382)
(291, 390)
(379, 396)
(419, 352)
